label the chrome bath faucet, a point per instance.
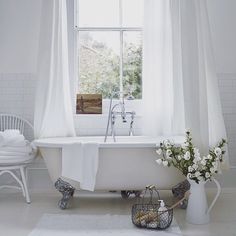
(113, 113)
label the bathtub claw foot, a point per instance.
(138, 193)
(179, 191)
(67, 192)
(126, 193)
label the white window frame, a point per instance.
(119, 29)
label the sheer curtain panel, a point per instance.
(53, 108)
(180, 87)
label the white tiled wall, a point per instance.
(17, 94)
(227, 85)
(96, 125)
(17, 97)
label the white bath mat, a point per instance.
(95, 225)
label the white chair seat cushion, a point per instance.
(14, 159)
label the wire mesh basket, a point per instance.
(146, 213)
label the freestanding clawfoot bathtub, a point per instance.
(127, 164)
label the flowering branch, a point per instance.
(188, 160)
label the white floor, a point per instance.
(18, 218)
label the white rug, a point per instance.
(95, 225)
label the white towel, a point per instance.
(14, 147)
(21, 150)
(80, 163)
(90, 166)
(11, 132)
(12, 137)
(72, 161)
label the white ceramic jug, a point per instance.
(197, 210)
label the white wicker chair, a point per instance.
(8, 121)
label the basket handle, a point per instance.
(151, 189)
(186, 195)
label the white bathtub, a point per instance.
(128, 164)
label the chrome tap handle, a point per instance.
(131, 133)
(113, 120)
(122, 109)
(108, 119)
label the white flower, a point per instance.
(215, 164)
(179, 157)
(207, 175)
(197, 156)
(212, 170)
(204, 167)
(200, 178)
(209, 157)
(165, 163)
(196, 153)
(159, 151)
(187, 155)
(159, 161)
(197, 174)
(190, 169)
(217, 151)
(184, 145)
(196, 160)
(167, 143)
(189, 175)
(168, 153)
(203, 162)
(195, 166)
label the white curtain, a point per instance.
(53, 108)
(180, 88)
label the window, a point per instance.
(110, 46)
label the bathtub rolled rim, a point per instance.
(122, 141)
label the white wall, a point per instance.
(19, 30)
(222, 19)
(19, 33)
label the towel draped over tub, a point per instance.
(80, 163)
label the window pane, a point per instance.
(132, 73)
(132, 13)
(98, 13)
(98, 62)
